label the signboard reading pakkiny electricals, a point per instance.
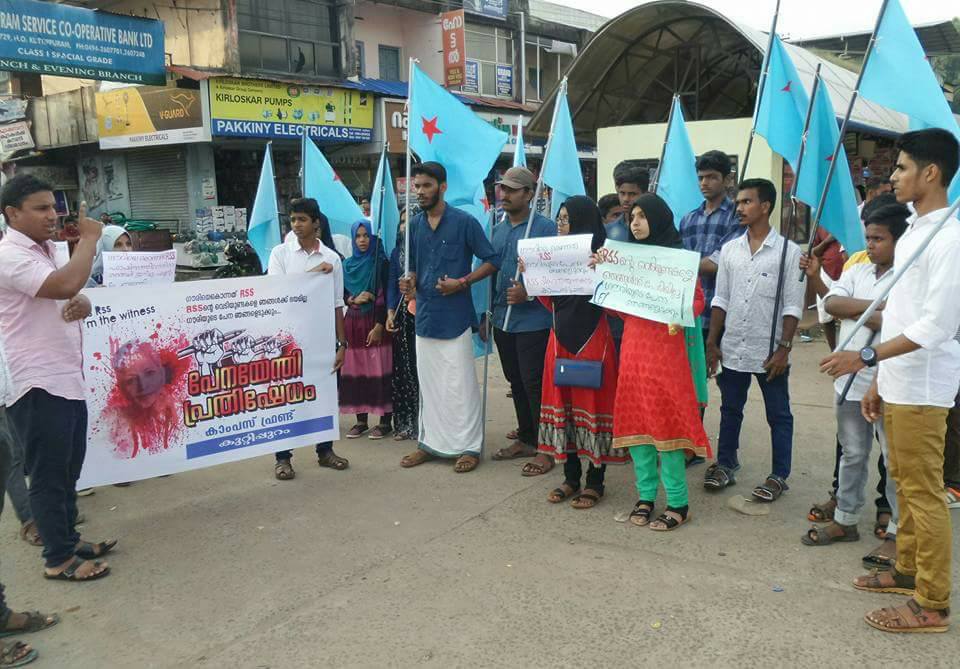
(150, 115)
(51, 38)
(272, 109)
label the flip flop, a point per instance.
(514, 451)
(91, 551)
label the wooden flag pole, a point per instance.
(539, 188)
(843, 131)
(742, 171)
(793, 212)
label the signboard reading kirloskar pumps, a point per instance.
(271, 109)
(149, 116)
(51, 38)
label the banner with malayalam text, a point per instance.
(651, 282)
(206, 372)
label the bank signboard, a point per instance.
(57, 39)
(275, 110)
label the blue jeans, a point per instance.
(776, 398)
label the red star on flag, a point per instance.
(486, 204)
(786, 89)
(430, 128)
(830, 158)
(336, 177)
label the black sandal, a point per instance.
(770, 490)
(333, 461)
(670, 522)
(717, 477)
(642, 510)
(70, 573)
(557, 495)
(91, 551)
(35, 622)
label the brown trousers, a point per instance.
(916, 441)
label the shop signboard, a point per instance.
(396, 124)
(471, 77)
(496, 9)
(149, 116)
(58, 39)
(15, 137)
(454, 47)
(505, 81)
(272, 109)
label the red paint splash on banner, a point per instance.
(149, 383)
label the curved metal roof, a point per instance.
(628, 73)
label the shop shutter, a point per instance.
(157, 179)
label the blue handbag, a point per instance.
(576, 373)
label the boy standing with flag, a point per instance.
(443, 242)
(919, 371)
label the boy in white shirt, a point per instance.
(919, 372)
(309, 249)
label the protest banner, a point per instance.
(136, 268)
(206, 372)
(651, 282)
(557, 265)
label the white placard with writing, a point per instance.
(136, 268)
(557, 265)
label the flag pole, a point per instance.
(900, 270)
(663, 150)
(378, 224)
(849, 383)
(303, 163)
(843, 130)
(760, 88)
(791, 221)
(406, 206)
(539, 188)
(488, 321)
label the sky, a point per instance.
(798, 18)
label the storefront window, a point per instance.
(288, 36)
(547, 61)
(491, 47)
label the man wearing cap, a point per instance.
(521, 341)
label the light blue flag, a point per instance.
(840, 216)
(324, 185)
(899, 76)
(263, 231)
(480, 291)
(383, 208)
(519, 151)
(444, 130)
(561, 169)
(783, 107)
(677, 181)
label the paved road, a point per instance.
(383, 567)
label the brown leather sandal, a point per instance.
(418, 457)
(466, 463)
(283, 470)
(886, 581)
(909, 618)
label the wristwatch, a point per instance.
(785, 343)
(341, 343)
(868, 356)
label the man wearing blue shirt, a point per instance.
(521, 341)
(443, 242)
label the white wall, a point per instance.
(416, 33)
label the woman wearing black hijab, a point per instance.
(576, 421)
(656, 411)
